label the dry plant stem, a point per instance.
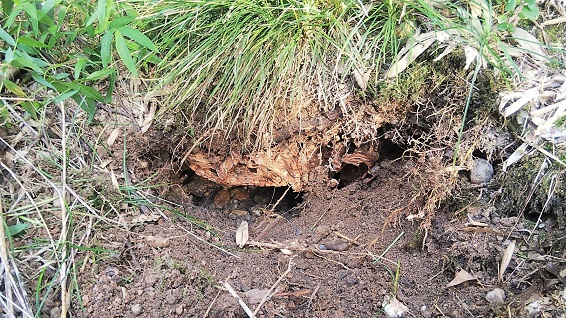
(208, 243)
(65, 295)
(211, 304)
(279, 201)
(240, 301)
(11, 282)
(351, 240)
(4, 258)
(270, 291)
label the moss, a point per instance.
(521, 194)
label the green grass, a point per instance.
(235, 64)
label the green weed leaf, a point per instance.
(125, 54)
(31, 108)
(16, 229)
(120, 21)
(105, 47)
(97, 15)
(138, 37)
(66, 95)
(31, 42)
(101, 74)
(13, 87)
(7, 37)
(79, 66)
(7, 6)
(511, 5)
(9, 55)
(528, 13)
(38, 78)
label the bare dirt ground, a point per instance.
(327, 252)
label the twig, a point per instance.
(65, 293)
(268, 294)
(351, 240)
(326, 211)
(240, 301)
(203, 240)
(211, 304)
(278, 201)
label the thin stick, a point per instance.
(240, 301)
(203, 240)
(211, 304)
(65, 294)
(279, 201)
(5, 261)
(326, 211)
(351, 240)
(270, 291)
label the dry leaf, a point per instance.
(114, 179)
(529, 43)
(362, 79)
(146, 218)
(527, 96)
(506, 259)
(516, 156)
(242, 235)
(113, 135)
(157, 241)
(461, 277)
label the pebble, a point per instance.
(150, 280)
(179, 310)
(481, 171)
(496, 296)
(136, 309)
(221, 199)
(533, 309)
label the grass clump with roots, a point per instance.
(237, 64)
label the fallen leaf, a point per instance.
(146, 218)
(113, 135)
(362, 79)
(157, 241)
(506, 259)
(461, 277)
(242, 234)
(529, 43)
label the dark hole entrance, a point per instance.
(350, 174)
(205, 193)
(390, 150)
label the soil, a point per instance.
(334, 250)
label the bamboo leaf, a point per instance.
(125, 54)
(138, 37)
(7, 37)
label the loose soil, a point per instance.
(347, 247)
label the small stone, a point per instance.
(221, 199)
(55, 312)
(533, 309)
(136, 309)
(496, 296)
(238, 214)
(240, 194)
(179, 310)
(481, 171)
